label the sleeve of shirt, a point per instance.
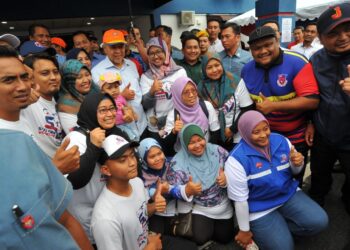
(242, 95)
(305, 83)
(68, 121)
(108, 234)
(242, 215)
(61, 189)
(214, 123)
(237, 181)
(169, 124)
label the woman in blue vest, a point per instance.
(270, 207)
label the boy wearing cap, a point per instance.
(119, 219)
(125, 117)
(332, 118)
(283, 86)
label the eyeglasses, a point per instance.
(104, 111)
(190, 92)
(156, 53)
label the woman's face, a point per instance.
(111, 88)
(214, 69)
(83, 82)
(84, 59)
(156, 56)
(106, 113)
(260, 134)
(196, 146)
(155, 158)
(189, 95)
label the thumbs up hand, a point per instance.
(295, 157)
(156, 86)
(177, 125)
(265, 105)
(97, 136)
(221, 179)
(192, 188)
(345, 84)
(159, 200)
(128, 93)
(66, 160)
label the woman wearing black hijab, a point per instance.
(96, 121)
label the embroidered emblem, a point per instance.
(282, 80)
(284, 158)
(337, 13)
(258, 164)
(28, 222)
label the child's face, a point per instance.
(155, 158)
(123, 167)
(111, 88)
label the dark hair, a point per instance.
(272, 21)
(214, 19)
(194, 31)
(81, 32)
(30, 60)
(235, 27)
(73, 53)
(311, 24)
(31, 28)
(168, 30)
(189, 37)
(299, 28)
(8, 51)
(152, 29)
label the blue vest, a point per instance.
(270, 183)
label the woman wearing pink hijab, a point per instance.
(270, 207)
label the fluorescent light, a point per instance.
(11, 28)
(4, 22)
(88, 23)
(92, 18)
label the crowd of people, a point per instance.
(113, 146)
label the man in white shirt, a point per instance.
(213, 28)
(310, 44)
(114, 47)
(42, 117)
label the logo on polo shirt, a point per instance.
(282, 80)
(284, 158)
(258, 165)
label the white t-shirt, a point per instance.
(84, 199)
(243, 99)
(216, 46)
(164, 102)
(307, 51)
(19, 125)
(42, 119)
(212, 118)
(68, 121)
(120, 222)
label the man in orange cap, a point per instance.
(59, 45)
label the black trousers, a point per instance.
(323, 158)
(160, 224)
(205, 229)
(302, 148)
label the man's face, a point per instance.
(14, 88)
(229, 39)
(47, 76)
(42, 36)
(265, 51)
(310, 33)
(337, 40)
(115, 53)
(122, 168)
(213, 30)
(191, 51)
(204, 44)
(298, 35)
(275, 28)
(81, 41)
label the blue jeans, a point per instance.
(300, 216)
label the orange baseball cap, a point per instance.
(58, 41)
(112, 36)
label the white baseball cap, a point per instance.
(10, 39)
